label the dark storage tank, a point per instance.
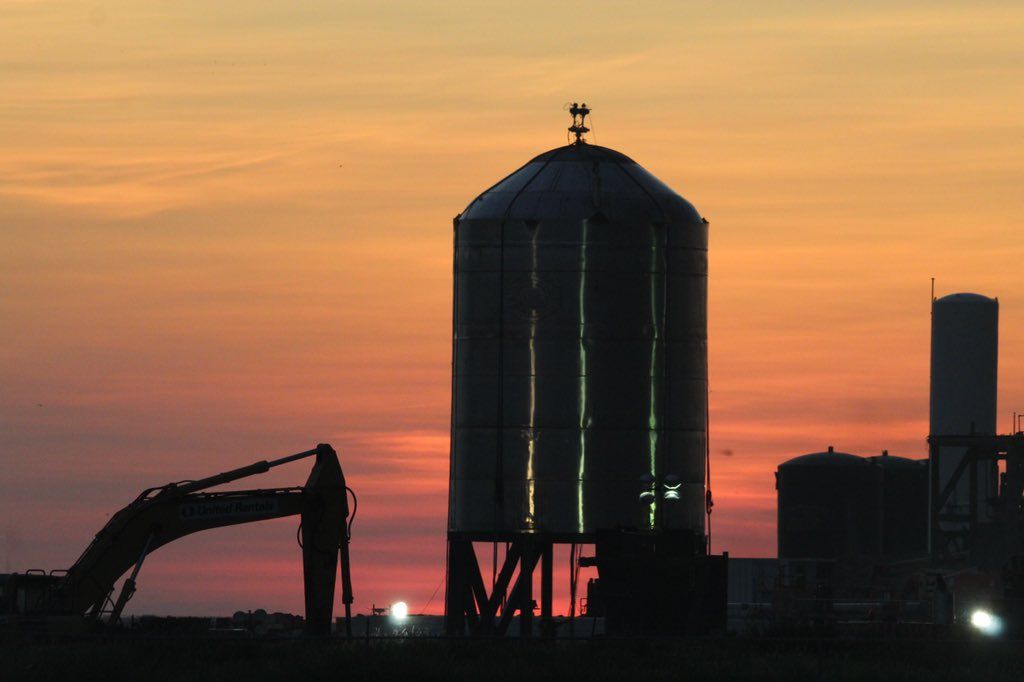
(829, 506)
(904, 506)
(580, 352)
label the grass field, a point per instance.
(155, 660)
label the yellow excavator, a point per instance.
(83, 594)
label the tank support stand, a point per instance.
(469, 609)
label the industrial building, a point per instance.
(579, 418)
(901, 540)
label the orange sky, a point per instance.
(226, 233)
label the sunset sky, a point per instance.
(227, 233)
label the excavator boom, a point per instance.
(164, 514)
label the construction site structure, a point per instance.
(83, 594)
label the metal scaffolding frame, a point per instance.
(467, 603)
(989, 538)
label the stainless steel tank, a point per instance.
(579, 352)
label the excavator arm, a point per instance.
(161, 515)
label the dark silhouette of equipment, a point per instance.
(163, 514)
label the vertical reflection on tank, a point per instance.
(531, 483)
(654, 378)
(583, 381)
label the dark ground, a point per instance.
(155, 660)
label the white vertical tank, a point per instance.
(965, 351)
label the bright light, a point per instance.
(986, 622)
(981, 620)
(399, 610)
